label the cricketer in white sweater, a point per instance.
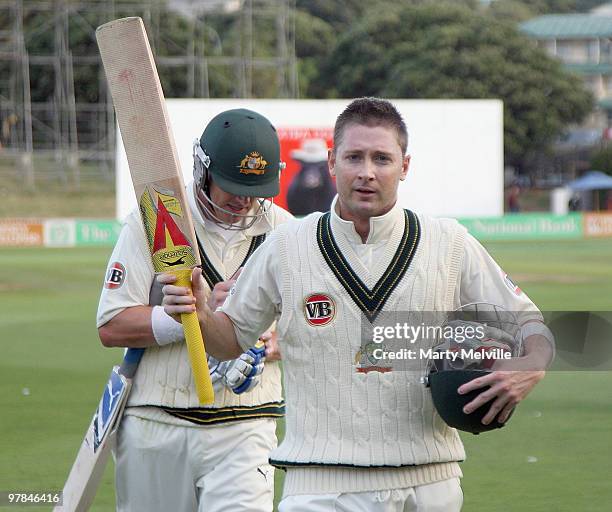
(163, 388)
(349, 431)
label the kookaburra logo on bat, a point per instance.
(180, 261)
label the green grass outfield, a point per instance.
(556, 455)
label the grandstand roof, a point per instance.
(568, 26)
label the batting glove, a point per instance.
(241, 374)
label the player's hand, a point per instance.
(217, 371)
(242, 374)
(179, 299)
(508, 387)
(271, 343)
(221, 291)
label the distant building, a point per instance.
(603, 10)
(583, 42)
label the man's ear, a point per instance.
(331, 161)
(405, 167)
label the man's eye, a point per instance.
(352, 158)
(383, 158)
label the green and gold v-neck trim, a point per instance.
(210, 273)
(370, 302)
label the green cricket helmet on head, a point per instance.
(243, 153)
(240, 151)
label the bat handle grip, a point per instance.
(195, 346)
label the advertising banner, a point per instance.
(526, 226)
(597, 224)
(59, 232)
(97, 232)
(21, 232)
(306, 185)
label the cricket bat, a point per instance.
(155, 169)
(143, 121)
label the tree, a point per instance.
(313, 38)
(602, 160)
(337, 13)
(511, 10)
(449, 51)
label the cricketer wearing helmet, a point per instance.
(171, 453)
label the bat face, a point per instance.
(149, 144)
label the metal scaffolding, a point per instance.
(52, 111)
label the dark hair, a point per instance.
(371, 112)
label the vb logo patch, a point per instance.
(319, 309)
(115, 275)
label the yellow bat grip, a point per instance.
(195, 346)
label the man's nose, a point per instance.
(367, 170)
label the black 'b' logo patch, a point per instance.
(115, 275)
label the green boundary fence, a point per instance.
(67, 232)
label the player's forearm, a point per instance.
(538, 352)
(219, 335)
(217, 328)
(538, 345)
(130, 328)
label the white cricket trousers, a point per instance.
(217, 468)
(443, 496)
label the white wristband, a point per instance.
(166, 330)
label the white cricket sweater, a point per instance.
(348, 431)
